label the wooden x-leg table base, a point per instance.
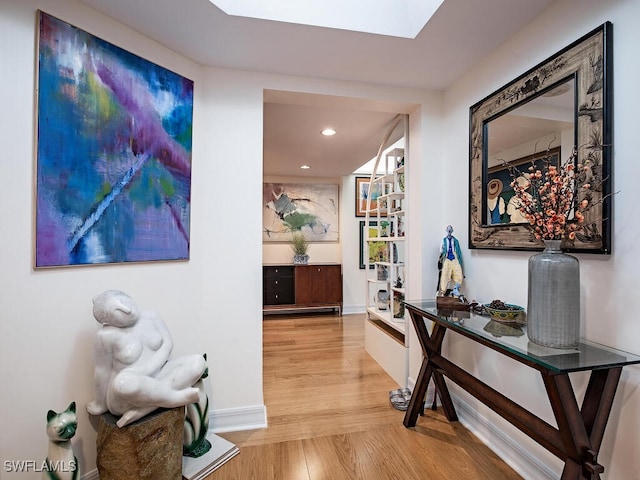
(578, 436)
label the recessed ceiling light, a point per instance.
(305, 167)
(328, 132)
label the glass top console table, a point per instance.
(578, 436)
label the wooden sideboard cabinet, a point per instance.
(293, 287)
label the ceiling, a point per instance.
(460, 33)
(292, 126)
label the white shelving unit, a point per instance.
(386, 338)
(385, 244)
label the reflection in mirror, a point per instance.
(544, 126)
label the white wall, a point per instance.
(211, 303)
(608, 283)
(46, 324)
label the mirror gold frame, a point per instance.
(587, 62)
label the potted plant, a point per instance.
(300, 246)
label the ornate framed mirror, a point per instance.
(563, 103)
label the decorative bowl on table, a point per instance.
(506, 313)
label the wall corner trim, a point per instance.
(237, 419)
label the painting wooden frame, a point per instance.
(310, 208)
(361, 189)
(113, 175)
(373, 225)
(361, 194)
(589, 62)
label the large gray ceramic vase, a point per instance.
(553, 310)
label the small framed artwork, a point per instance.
(378, 250)
(363, 191)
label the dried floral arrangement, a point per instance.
(554, 200)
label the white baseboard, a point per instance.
(515, 455)
(347, 310)
(512, 453)
(237, 419)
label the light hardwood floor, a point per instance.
(330, 418)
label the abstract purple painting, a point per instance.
(113, 153)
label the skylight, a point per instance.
(396, 18)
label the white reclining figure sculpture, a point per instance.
(133, 373)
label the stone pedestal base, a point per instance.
(149, 449)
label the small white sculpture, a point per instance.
(133, 373)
